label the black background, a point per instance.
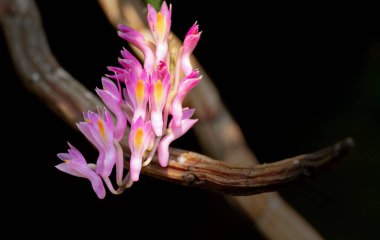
(310, 76)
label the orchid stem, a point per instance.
(110, 186)
(151, 154)
(119, 163)
(126, 183)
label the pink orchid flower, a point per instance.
(99, 131)
(112, 98)
(175, 132)
(184, 88)
(160, 87)
(144, 95)
(138, 93)
(140, 139)
(138, 40)
(75, 164)
(160, 23)
(130, 62)
(190, 42)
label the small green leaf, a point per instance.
(155, 3)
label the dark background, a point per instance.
(309, 77)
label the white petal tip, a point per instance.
(135, 177)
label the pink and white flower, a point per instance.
(160, 87)
(175, 132)
(160, 23)
(184, 88)
(112, 98)
(189, 44)
(137, 39)
(143, 95)
(140, 139)
(75, 164)
(100, 132)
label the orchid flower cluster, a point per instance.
(143, 96)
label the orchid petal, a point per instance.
(76, 165)
(138, 40)
(189, 44)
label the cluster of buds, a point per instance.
(142, 96)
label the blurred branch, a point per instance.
(222, 138)
(42, 75)
(37, 67)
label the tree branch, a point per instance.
(42, 75)
(192, 169)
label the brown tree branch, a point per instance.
(42, 74)
(192, 169)
(36, 65)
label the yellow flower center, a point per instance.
(140, 91)
(161, 26)
(101, 129)
(158, 91)
(139, 137)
